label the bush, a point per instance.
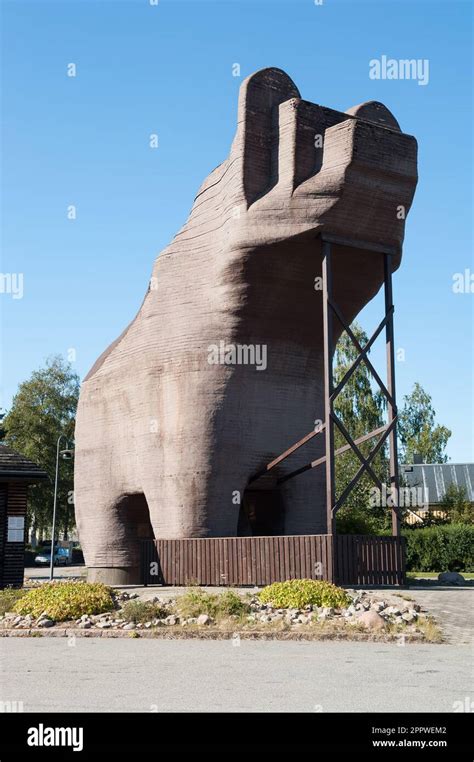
(297, 593)
(143, 611)
(216, 605)
(440, 548)
(231, 604)
(66, 600)
(361, 520)
(8, 597)
(195, 602)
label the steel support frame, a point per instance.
(388, 433)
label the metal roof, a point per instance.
(435, 478)
(14, 465)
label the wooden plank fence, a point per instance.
(369, 560)
(229, 561)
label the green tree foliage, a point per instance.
(456, 506)
(43, 408)
(418, 431)
(361, 408)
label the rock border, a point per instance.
(214, 634)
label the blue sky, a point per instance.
(167, 69)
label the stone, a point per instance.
(251, 242)
(129, 626)
(378, 606)
(85, 625)
(371, 620)
(203, 619)
(302, 619)
(409, 616)
(103, 625)
(451, 578)
(172, 620)
(46, 622)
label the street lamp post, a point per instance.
(67, 455)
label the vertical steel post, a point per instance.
(328, 405)
(392, 409)
(53, 531)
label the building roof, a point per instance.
(16, 466)
(435, 478)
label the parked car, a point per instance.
(61, 556)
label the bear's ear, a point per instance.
(373, 111)
(256, 141)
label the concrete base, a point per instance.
(114, 575)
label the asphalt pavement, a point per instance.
(110, 675)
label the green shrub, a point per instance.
(216, 605)
(296, 593)
(440, 548)
(143, 611)
(8, 597)
(66, 600)
(231, 604)
(360, 520)
(195, 602)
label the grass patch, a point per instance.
(430, 629)
(297, 593)
(143, 611)
(434, 575)
(8, 598)
(216, 605)
(66, 600)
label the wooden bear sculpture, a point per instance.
(222, 368)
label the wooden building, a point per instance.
(17, 473)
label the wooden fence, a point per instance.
(229, 561)
(369, 560)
